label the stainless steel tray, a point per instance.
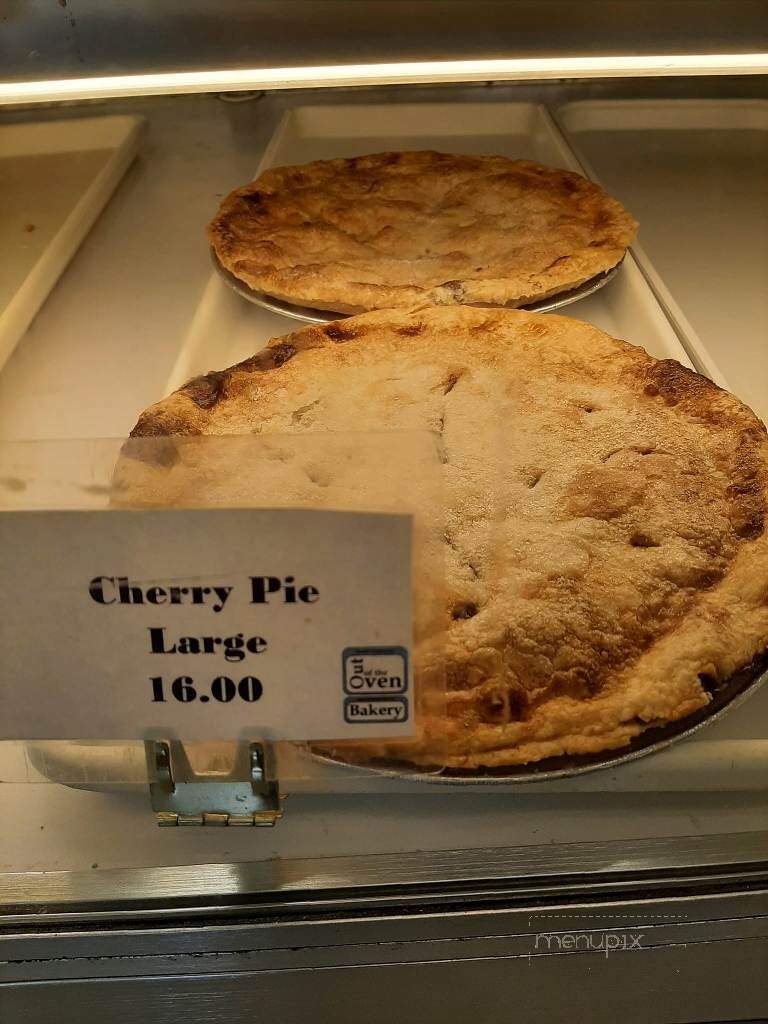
(726, 695)
(322, 316)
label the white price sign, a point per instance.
(205, 624)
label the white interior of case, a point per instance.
(138, 310)
(55, 177)
(695, 174)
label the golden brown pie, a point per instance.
(401, 229)
(604, 522)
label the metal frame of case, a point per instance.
(485, 934)
(490, 934)
(94, 49)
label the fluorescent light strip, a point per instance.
(383, 74)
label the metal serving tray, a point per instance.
(225, 330)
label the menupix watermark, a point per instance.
(575, 942)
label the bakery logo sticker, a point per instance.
(375, 684)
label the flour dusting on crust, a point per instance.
(604, 520)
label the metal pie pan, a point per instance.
(320, 316)
(725, 695)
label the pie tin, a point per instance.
(321, 316)
(725, 695)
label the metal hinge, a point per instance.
(243, 796)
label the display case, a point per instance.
(632, 882)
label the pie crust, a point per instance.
(400, 229)
(604, 521)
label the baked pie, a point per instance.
(401, 229)
(604, 534)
